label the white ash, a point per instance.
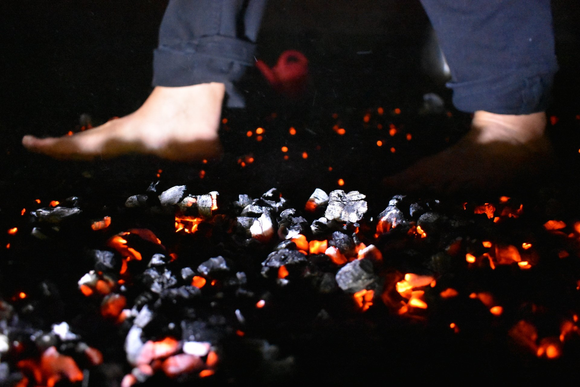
(345, 207)
(62, 330)
(56, 214)
(197, 348)
(263, 228)
(213, 265)
(172, 195)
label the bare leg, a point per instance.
(498, 150)
(174, 123)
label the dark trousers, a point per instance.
(500, 52)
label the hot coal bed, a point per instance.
(177, 287)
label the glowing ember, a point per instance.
(470, 258)
(13, 231)
(260, 304)
(318, 247)
(101, 224)
(187, 224)
(364, 299)
(526, 246)
(282, 272)
(553, 225)
(486, 209)
(496, 310)
(506, 255)
(336, 256)
(550, 348)
(449, 293)
(301, 243)
(198, 282)
(486, 244)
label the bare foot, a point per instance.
(498, 151)
(174, 123)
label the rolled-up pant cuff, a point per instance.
(511, 93)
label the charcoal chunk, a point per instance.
(284, 257)
(56, 214)
(104, 260)
(172, 196)
(158, 260)
(391, 217)
(343, 242)
(159, 280)
(136, 201)
(430, 222)
(356, 276)
(187, 273)
(213, 265)
(181, 293)
(349, 207)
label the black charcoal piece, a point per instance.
(158, 260)
(213, 265)
(430, 222)
(104, 260)
(211, 332)
(344, 207)
(172, 196)
(206, 203)
(243, 201)
(174, 295)
(272, 194)
(187, 274)
(327, 283)
(245, 222)
(356, 276)
(263, 228)
(56, 214)
(136, 201)
(285, 244)
(159, 280)
(153, 187)
(238, 280)
(289, 225)
(284, 257)
(320, 226)
(416, 209)
(274, 199)
(392, 216)
(255, 210)
(343, 242)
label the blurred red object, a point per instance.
(289, 76)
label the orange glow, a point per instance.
(550, 347)
(206, 373)
(392, 131)
(304, 155)
(329, 169)
(240, 333)
(397, 111)
(487, 209)
(37, 201)
(317, 247)
(526, 246)
(187, 224)
(101, 224)
(417, 303)
(86, 290)
(301, 243)
(504, 199)
(379, 143)
(335, 115)
(212, 359)
(367, 117)
(420, 232)
(282, 272)
(260, 131)
(198, 282)
(496, 310)
(340, 182)
(409, 136)
(486, 244)
(284, 149)
(260, 304)
(249, 133)
(379, 126)
(364, 299)
(341, 131)
(224, 121)
(524, 265)
(380, 111)
(23, 211)
(470, 258)
(201, 174)
(563, 254)
(70, 133)
(22, 295)
(113, 305)
(335, 255)
(286, 157)
(506, 255)
(13, 231)
(54, 203)
(8, 245)
(259, 138)
(554, 225)
(449, 293)
(393, 150)
(292, 131)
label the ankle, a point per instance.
(510, 128)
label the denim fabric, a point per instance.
(500, 52)
(204, 41)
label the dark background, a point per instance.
(64, 58)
